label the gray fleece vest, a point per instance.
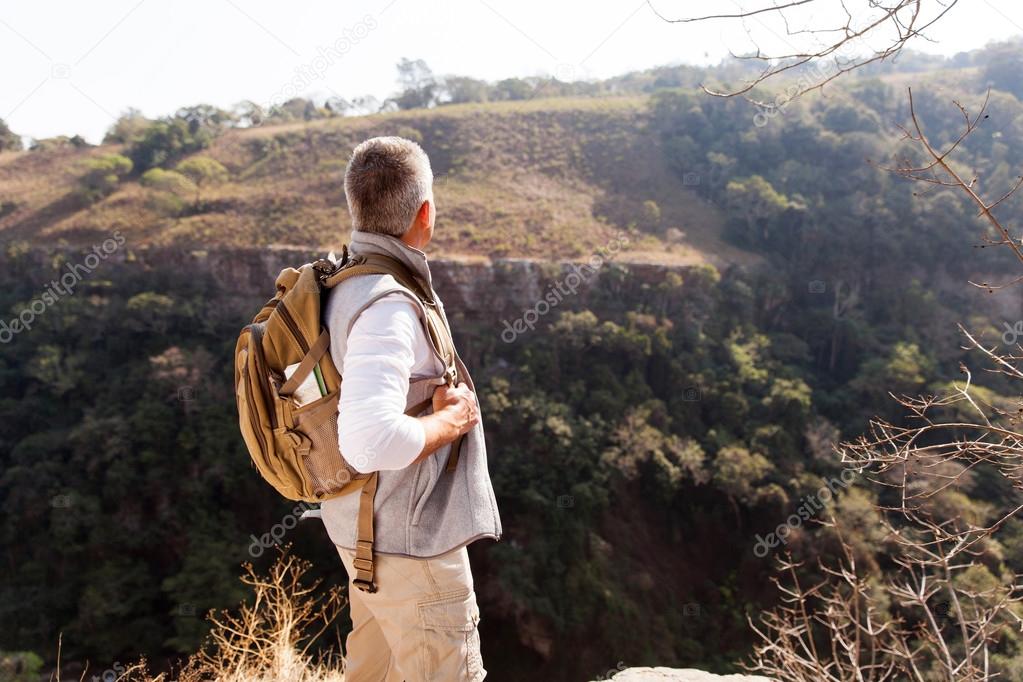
(421, 511)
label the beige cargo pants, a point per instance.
(419, 626)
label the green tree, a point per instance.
(203, 172)
(737, 473)
(668, 460)
(461, 89)
(8, 140)
(129, 127)
(297, 109)
(760, 206)
(650, 215)
(205, 117)
(168, 139)
(903, 372)
(59, 142)
(248, 113)
(1003, 67)
(419, 87)
(513, 89)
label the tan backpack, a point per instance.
(295, 446)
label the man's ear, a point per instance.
(423, 215)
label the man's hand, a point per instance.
(458, 406)
(455, 412)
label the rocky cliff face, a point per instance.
(474, 288)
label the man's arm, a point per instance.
(374, 432)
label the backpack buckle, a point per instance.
(367, 586)
(325, 267)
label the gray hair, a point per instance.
(387, 180)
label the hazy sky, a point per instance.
(71, 66)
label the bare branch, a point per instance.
(873, 31)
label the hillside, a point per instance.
(537, 179)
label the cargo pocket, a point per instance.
(451, 638)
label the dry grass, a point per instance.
(268, 639)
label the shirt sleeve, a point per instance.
(374, 431)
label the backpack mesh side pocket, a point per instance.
(329, 472)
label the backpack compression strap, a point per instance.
(364, 567)
(363, 562)
(317, 351)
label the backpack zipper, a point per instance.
(264, 382)
(253, 420)
(292, 326)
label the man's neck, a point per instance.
(414, 241)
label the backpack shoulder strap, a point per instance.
(436, 325)
(378, 264)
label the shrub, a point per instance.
(20, 666)
(171, 190)
(59, 142)
(101, 176)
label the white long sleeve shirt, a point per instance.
(386, 346)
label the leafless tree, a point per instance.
(947, 607)
(817, 51)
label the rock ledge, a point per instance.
(680, 675)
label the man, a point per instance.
(421, 623)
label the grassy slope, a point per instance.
(542, 179)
